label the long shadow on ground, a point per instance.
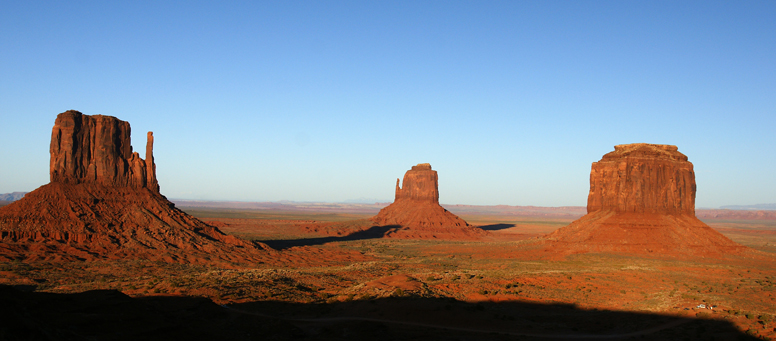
(111, 315)
(496, 227)
(373, 232)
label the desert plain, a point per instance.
(328, 279)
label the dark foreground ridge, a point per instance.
(111, 315)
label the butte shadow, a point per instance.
(103, 202)
(368, 232)
(642, 201)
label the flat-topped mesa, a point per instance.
(643, 178)
(420, 184)
(97, 149)
(642, 201)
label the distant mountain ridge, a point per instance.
(750, 207)
(12, 196)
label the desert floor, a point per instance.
(333, 277)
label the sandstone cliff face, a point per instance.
(417, 210)
(97, 149)
(420, 183)
(643, 178)
(642, 200)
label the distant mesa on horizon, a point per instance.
(13, 196)
(642, 200)
(103, 201)
(757, 207)
(417, 211)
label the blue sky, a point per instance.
(509, 101)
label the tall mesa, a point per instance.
(642, 200)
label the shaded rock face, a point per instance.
(417, 210)
(643, 178)
(97, 149)
(103, 202)
(642, 200)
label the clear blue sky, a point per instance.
(509, 101)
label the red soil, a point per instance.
(90, 221)
(642, 233)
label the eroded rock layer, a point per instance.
(104, 202)
(642, 200)
(417, 211)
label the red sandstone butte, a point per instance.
(104, 202)
(642, 200)
(97, 149)
(416, 209)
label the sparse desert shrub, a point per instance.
(455, 278)
(398, 292)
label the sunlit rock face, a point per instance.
(643, 178)
(420, 183)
